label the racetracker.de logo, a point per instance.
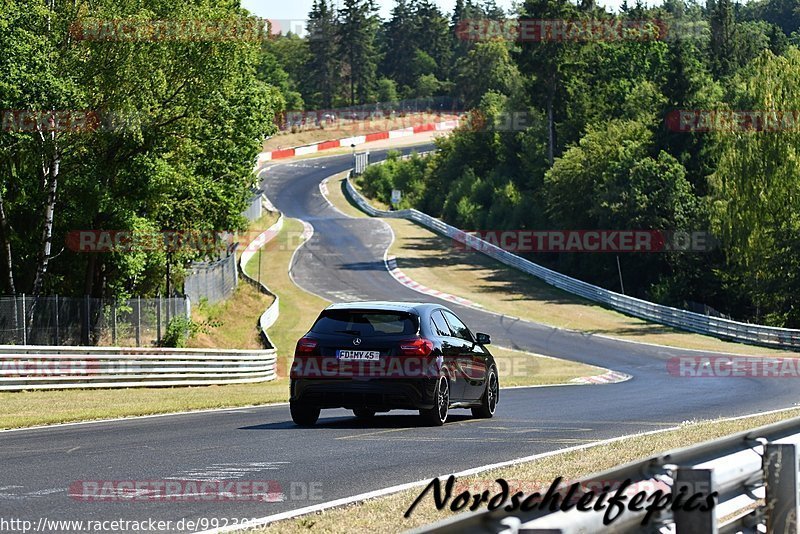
(585, 241)
(171, 30)
(562, 30)
(733, 366)
(732, 121)
(176, 490)
(41, 121)
(28, 367)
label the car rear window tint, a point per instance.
(366, 324)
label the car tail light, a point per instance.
(306, 345)
(416, 347)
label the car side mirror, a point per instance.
(483, 339)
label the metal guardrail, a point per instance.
(755, 473)
(784, 338)
(42, 367)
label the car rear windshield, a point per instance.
(366, 323)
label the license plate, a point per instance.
(358, 355)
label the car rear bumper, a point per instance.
(377, 393)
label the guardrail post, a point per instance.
(694, 521)
(781, 470)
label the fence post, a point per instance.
(85, 321)
(114, 322)
(24, 322)
(235, 270)
(55, 312)
(695, 521)
(158, 319)
(781, 469)
(138, 321)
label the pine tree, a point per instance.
(397, 44)
(541, 61)
(723, 38)
(357, 32)
(432, 34)
(323, 66)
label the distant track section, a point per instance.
(784, 338)
(348, 142)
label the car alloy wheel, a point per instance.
(490, 397)
(437, 415)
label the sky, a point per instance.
(298, 9)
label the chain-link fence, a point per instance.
(254, 208)
(57, 320)
(212, 282)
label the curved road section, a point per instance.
(50, 474)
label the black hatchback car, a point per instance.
(373, 357)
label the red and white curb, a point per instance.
(611, 377)
(442, 126)
(400, 276)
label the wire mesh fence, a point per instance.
(254, 208)
(212, 282)
(55, 320)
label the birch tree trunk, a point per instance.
(51, 170)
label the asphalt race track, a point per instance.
(341, 457)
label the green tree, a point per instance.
(357, 30)
(755, 190)
(542, 64)
(387, 92)
(180, 125)
(487, 67)
(323, 63)
(398, 40)
(611, 181)
(723, 38)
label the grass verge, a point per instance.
(385, 514)
(434, 261)
(233, 323)
(33, 408)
